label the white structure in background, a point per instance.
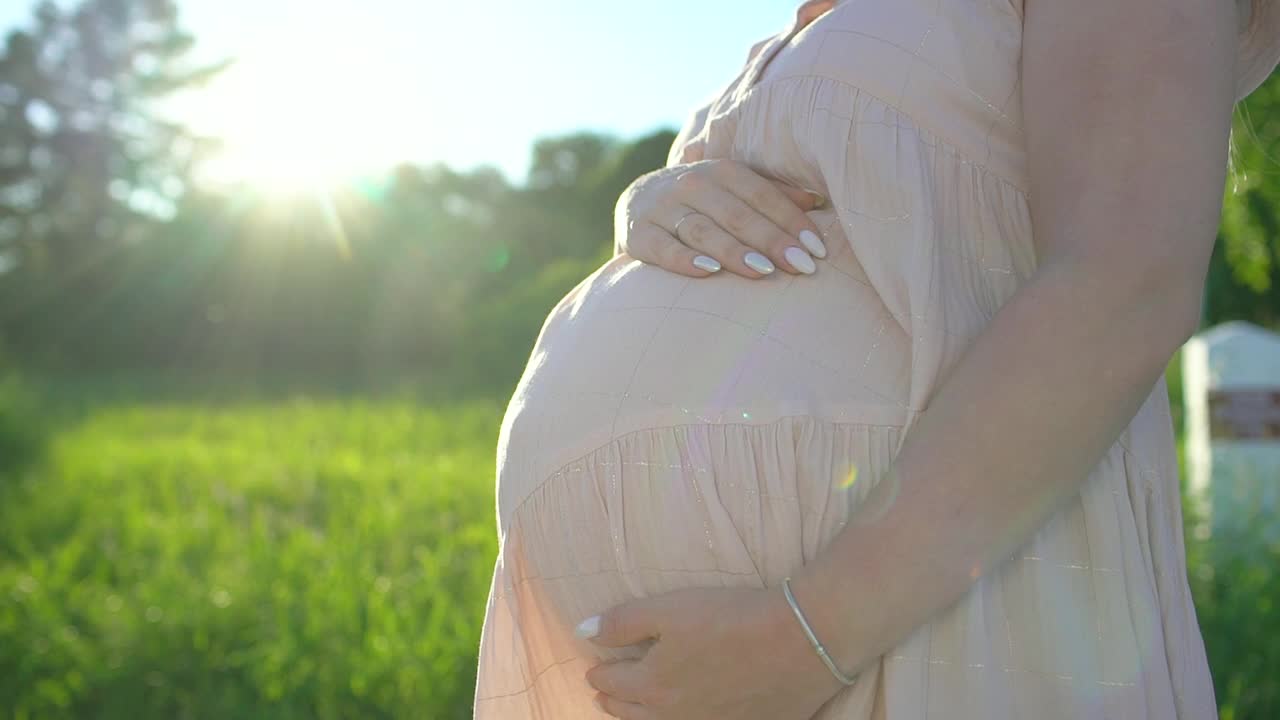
(1231, 393)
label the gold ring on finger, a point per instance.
(687, 215)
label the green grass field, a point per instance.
(176, 552)
(290, 559)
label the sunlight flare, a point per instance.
(311, 114)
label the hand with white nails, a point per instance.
(699, 216)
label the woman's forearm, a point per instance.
(1126, 123)
(1012, 432)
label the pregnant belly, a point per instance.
(635, 347)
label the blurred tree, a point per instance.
(563, 162)
(1243, 281)
(563, 172)
(86, 158)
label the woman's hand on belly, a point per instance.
(716, 654)
(697, 217)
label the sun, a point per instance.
(306, 115)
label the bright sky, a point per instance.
(337, 86)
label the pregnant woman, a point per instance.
(921, 465)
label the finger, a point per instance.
(750, 227)
(655, 245)
(619, 679)
(804, 199)
(628, 622)
(768, 199)
(622, 709)
(701, 235)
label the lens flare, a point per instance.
(850, 478)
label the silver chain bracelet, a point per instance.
(822, 652)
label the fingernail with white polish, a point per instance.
(800, 260)
(704, 262)
(588, 628)
(811, 240)
(758, 262)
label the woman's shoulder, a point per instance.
(1258, 50)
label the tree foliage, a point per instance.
(111, 257)
(1243, 280)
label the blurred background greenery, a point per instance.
(247, 439)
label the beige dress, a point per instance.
(672, 432)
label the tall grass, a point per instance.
(297, 559)
(174, 552)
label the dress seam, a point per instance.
(630, 433)
(918, 123)
(1145, 469)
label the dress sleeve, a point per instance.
(696, 119)
(692, 127)
(1259, 51)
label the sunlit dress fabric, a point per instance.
(671, 432)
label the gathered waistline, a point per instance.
(868, 415)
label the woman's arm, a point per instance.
(1127, 108)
